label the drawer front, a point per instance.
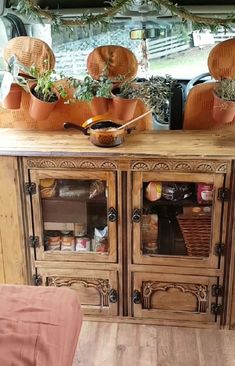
(97, 290)
(174, 297)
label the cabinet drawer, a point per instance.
(97, 290)
(174, 297)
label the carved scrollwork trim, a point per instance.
(101, 285)
(197, 290)
(70, 163)
(180, 165)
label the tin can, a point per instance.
(52, 240)
(67, 242)
(83, 244)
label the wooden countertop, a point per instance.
(182, 144)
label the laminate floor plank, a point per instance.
(119, 344)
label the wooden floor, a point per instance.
(104, 344)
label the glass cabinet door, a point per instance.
(74, 215)
(176, 217)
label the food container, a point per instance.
(204, 193)
(176, 191)
(149, 229)
(82, 244)
(102, 133)
(67, 242)
(105, 132)
(48, 188)
(52, 240)
(79, 229)
(153, 191)
(150, 248)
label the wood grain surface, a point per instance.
(184, 144)
(115, 344)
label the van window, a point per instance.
(178, 51)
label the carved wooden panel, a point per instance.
(70, 163)
(177, 297)
(207, 166)
(102, 286)
(97, 289)
(200, 292)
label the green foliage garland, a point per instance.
(30, 8)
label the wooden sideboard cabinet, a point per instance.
(143, 232)
(95, 226)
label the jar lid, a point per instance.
(52, 233)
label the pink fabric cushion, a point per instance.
(39, 326)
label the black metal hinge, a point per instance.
(30, 188)
(216, 309)
(34, 241)
(217, 290)
(219, 249)
(37, 280)
(223, 194)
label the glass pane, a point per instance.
(177, 219)
(74, 214)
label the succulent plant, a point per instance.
(225, 89)
(155, 92)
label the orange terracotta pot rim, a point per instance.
(226, 102)
(40, 100)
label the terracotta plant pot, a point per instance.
(38, 109)
(123, 109)
(100, 105)
(13, 99)
(223, 110)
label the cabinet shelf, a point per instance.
(164, 202)
(98, 199)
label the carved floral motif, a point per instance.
(71, 163)
(108, 165)
(140, 165)
(87, 164)
(162, 166)
(67, 164)
(197, 290)
(180, 165)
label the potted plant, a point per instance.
(224, 101)
(12, 84)
(97, 92)
(153, 92)
(125, 97)
(45, 93)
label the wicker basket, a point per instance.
(30, 51)
(196, 232)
